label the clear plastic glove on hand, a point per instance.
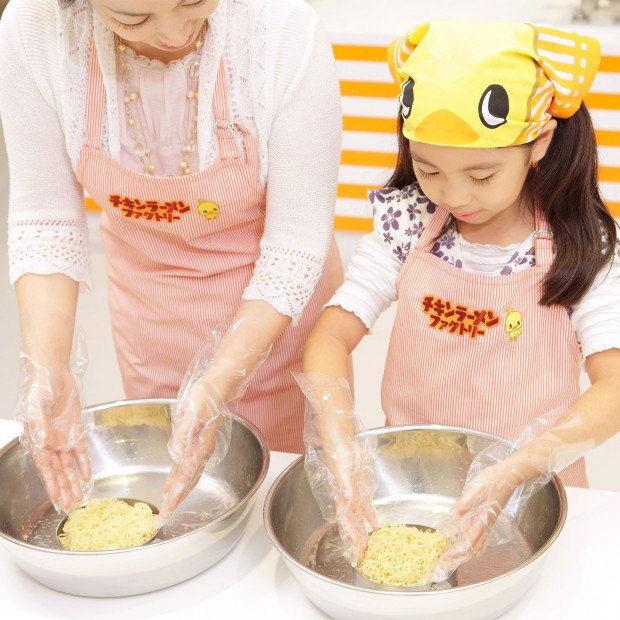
(503, 477)
(202, 415)
(337, 462)
(49, 411)
(201, 424)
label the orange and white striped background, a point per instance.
(369, 121)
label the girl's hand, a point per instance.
(351, 481)
(474, 514)
(337, 463)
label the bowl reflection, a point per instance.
(420, 472)
(126, 442)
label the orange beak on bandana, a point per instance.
(486, 85)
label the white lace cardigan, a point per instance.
(281, 82)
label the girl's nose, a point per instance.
(454, 198)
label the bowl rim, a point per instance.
(287, 472)
(154, 543)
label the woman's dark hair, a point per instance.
(565, 183)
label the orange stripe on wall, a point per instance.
(602, 101)
(607, 137)
(367, 158)
(91, 205)
(609, 174)
(614, 207)
(377, 53)
(348, 190)
(360, 52)
(357, 224)
(384, 90)
(610, 64)
(374, 125)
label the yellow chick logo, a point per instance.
(209, 209)
(514, 322)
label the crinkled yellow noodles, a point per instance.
(106, 524)
(400, 555)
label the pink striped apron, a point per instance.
(180, 252)
(477, 351)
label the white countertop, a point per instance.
(578, 580)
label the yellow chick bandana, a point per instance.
(483, 84)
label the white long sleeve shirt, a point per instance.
(281, 82)
(399, 219)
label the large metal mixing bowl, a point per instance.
(420, 471)
(127, 446)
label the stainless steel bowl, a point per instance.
(127, 446)
(421, 471)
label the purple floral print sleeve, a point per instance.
(400, 216)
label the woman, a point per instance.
(209, 133)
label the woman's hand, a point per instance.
(53, 363)
(201, 425)
(213, 385)
(49, 409)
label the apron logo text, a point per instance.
(456, 318)
(153, 210)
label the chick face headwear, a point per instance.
(482, 84)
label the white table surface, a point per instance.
(579, 578)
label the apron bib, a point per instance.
(180, 252)
(478, 351)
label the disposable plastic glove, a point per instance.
(49, 410)
(202, 415)
(504, 476)
(337, 462)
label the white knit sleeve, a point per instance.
(596, 318)
(370, 283)
(304, 155)
(47, 230)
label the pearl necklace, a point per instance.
(131, 96)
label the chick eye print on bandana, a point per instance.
(209, 209)
(457, 319)
(513, 324)
(487, 85)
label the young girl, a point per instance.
(493, 237)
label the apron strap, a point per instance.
(95, 100)
(226, 127)
(431, 231)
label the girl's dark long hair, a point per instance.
(565, 183)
